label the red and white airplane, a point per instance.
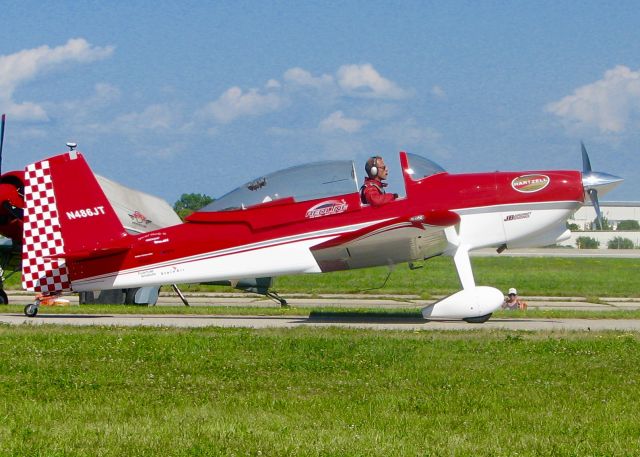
(305, 219)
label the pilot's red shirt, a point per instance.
(372, 193)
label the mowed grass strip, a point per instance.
(550, 276)
(113, 391)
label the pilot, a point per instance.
(372, 191)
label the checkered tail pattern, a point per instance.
(41, 234)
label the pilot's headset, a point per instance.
(371, 167)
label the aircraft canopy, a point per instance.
(303, 182)
(421, 167)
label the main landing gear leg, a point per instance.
(274, 296)
(465, 273)
(179, 292)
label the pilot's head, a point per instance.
(376, 168)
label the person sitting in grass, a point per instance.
(512, 301)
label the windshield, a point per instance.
(303, 182)
(419, 167)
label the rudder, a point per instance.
(66, 214)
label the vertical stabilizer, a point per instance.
(66, 213)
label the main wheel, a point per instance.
(30, 310)
(4, 300)
(478, 320)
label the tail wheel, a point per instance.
(30, 310)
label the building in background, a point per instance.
(614, 213)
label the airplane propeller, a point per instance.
(1, 141)
(594, 181)
(9, 193)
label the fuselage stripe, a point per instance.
(236, 250)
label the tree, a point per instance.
(628, 224)
(573, 227)
(586, 242)
(189, 203)
(620, 243)
(605, 224)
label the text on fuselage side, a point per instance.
(87, 212)
(515, 217)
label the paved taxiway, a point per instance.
(262, 322)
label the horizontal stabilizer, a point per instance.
(103, 251)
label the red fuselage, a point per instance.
(284, 220)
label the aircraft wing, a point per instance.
(395, 240)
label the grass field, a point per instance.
(583, 277)
(110, 391)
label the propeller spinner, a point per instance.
(596, 182)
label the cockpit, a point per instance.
(303, 182)
(421, 167)
(309, 182)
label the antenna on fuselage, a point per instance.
(72, 149)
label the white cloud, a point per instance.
(379, 111)
(23, 66)
(365, 81)
(337, 121)
(273, 84)
(104, 94)
(298, 84)
(24, 111)
(438, 92)
(155, 132)
(610, 104)
(409, 135)
(235, 103)
(154, 117)
(281, 131)
(302, 77)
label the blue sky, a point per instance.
(173, 97)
